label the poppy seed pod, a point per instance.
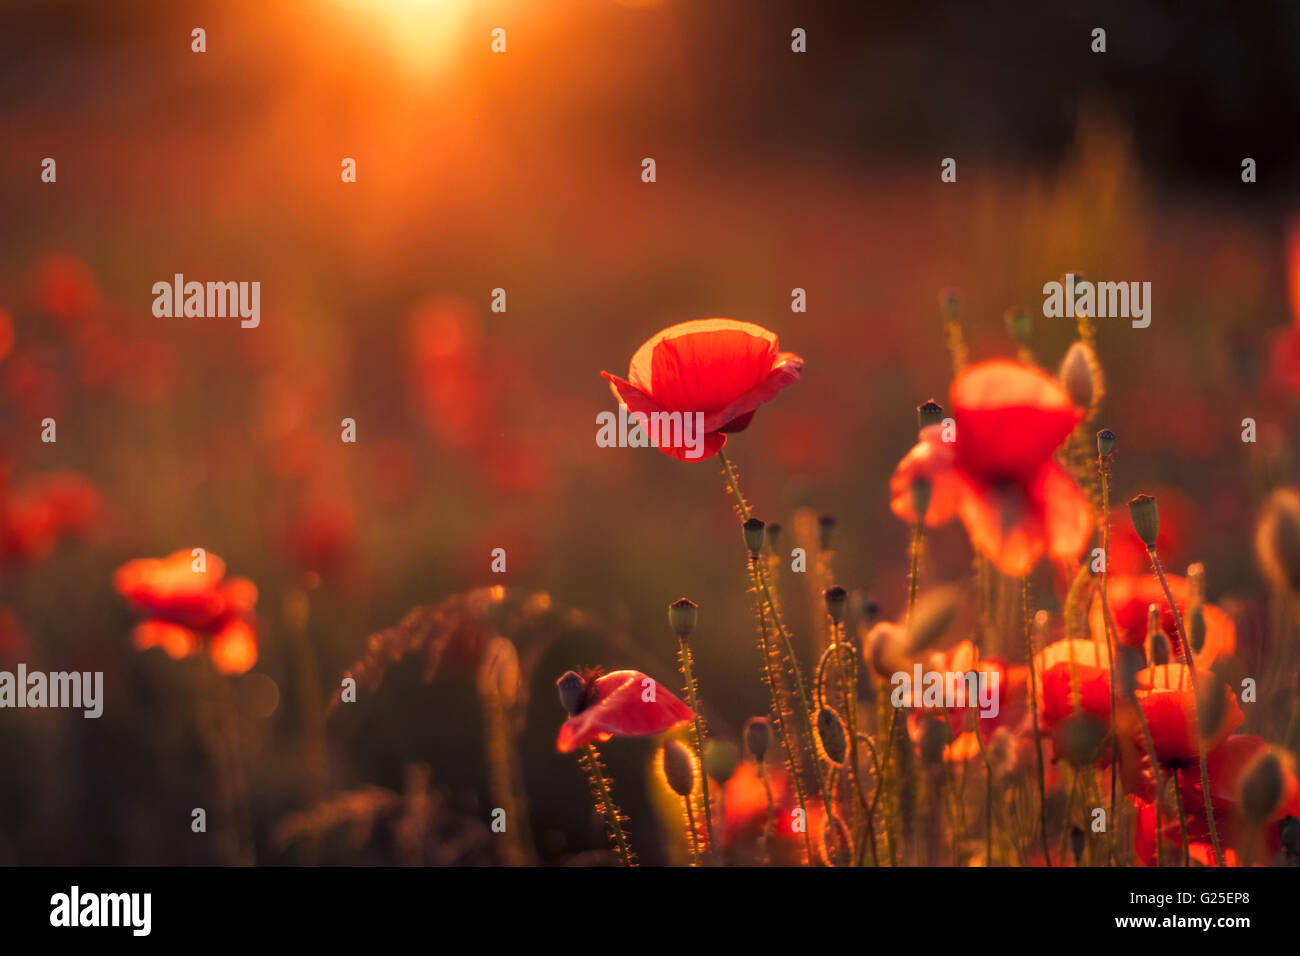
(682, 615)
(1159, 649)
(1146, 519)
(720, 759)
(830, 733)
(1277, 539)
(753, 529)
(1105, 442)
(1261, 787)
(950, 304)
(836, 597)
(758, 736)
(826, 531)
(679, 767)
(929, 413)
(572, 689)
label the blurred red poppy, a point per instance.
(722, 368)
(190, 608)
(1131, 597)
(999, 476)
(1073, 679)
(1165, 695)
(621, 704)
(1227, 766)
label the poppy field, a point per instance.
(639, 433)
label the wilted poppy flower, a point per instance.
(1130, 598)
(999, 476)
(1165, 695)
(621, 704)
(721, 368)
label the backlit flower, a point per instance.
(999, 475)
(722, 368)
(620, 704)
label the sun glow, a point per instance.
(426, 36)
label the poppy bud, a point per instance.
(1105, 442)
(929, 413)
(825, 528)
(753, 529)
(681, 616)
(1019, 325)
(1159, 649)
(1078, 841)
(1213, 704)
(1261, 787)
(679, 767)
(1277, 539)
(1288, 832)
(1080, 376)
(758, 736)
(886, 649)
(774, 537)
(572, 689)
(720, 759)
(836, 597)
(920, 499)
(830, 733)
(931, 618)
(1196, 628)
(1146, 519)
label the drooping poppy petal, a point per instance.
(622, 703)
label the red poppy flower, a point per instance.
(745, 813)
(1131, 596)
(1227, 766)
(621, 704)
(1073, 678)
(1165, 695)
(1008, 695)
(999, 476)
(720, 367)
(170, 589)
(189, 610)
